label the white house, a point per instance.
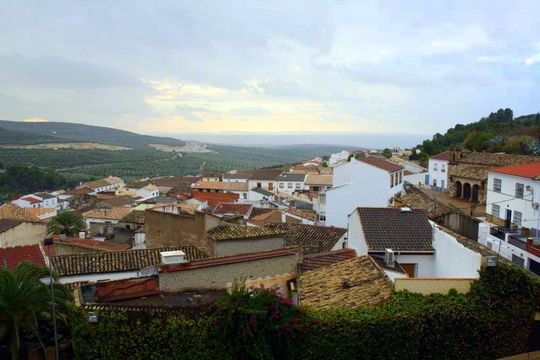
(438, 171)
(512, 226)
(237, 176)
(38, 200)
(111, 183)
(369, 181)
(264, 179)
(150, 191)
(290, 182)
(421, 248)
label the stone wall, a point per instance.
(165, 229)
(220, 276)
(234, 247)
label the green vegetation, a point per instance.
(258, 324)
(35, 133)
(28, 179)
(500, 131)
(25, 304)
(88, 164)
(67, 223)
(387, 153)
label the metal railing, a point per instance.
(500, 232)
(518, 241)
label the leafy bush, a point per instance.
(493, 320)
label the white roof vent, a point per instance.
(173, 257)
(405, 209)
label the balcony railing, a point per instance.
(500, 232)
(518, 241)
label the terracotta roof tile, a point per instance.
(324, 180)
(236, 232)
(115, 213)
(232, 208)
(266, 174)
(14, 212)
(214, 199)
(316, 261)
(350, 283)
(220, 185)
(381, 163)
(92, 244)
(531, 171)
(134, 217)
(402, 231)
(115, 261)
(311, 238)
(12, 256)
(445, 155)
(310, 215)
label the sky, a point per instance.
(262, 69)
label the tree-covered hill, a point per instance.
(499, 131)
(39, 132)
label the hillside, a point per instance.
(498, 132)
(139, 161)
(39, 132)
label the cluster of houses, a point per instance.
(343, 235)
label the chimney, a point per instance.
(82, 235)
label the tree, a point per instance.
(25, 301)
(477, 141)
(360, 155)
(387, 153)
(67, 223)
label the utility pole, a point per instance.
(49, 243)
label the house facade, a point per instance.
(512, 226)
(290, 182)
(438, 171)
(264, 179)
(366, 182)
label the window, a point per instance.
(517, 218)
(435, 182)
(442, 184)
(297, 185)
(518, 261)
(443, 168)
(435, 167)
(259, 185)
(289, 185)
(490, 245)
(396, 179)
(281, 185)
(519, 190)
(495, 210)
(497, 185)
(400, 177)
(391, 180)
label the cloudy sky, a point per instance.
(327, 67)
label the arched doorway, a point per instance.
(459, 189)
(475, 192)
(467, 191)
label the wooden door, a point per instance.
(410, 269)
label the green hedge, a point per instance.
(494, 320)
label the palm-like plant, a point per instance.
(67, 223)
(24, 301)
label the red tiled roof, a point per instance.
(445, 155)
(381, 163)
(219, 185)
(224, 260)
(11, 257)
(324, 259)
(531, 170)
(231, 208)
(31, 200)
(214, 199)
(93, 244)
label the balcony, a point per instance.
(518, 240)
(500, 232)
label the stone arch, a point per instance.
(459, 189)
(475, 193)
(467, 191)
